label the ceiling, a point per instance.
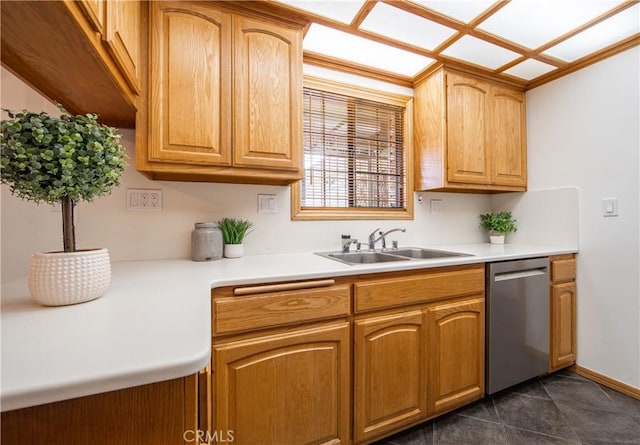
(525, 42)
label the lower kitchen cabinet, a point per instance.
(563, 312)
(563, 304)
(456, 354)
(288, 369)
(287, 388)
(390, 372)
(158, 413)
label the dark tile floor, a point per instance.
(562, 408)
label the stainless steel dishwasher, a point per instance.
(517, 336)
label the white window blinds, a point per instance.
(353, 153)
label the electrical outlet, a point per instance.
(155, 199)
(144, 199)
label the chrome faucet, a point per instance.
(382, 236)
(373, 240)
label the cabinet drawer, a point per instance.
(416, 288)
(267, 309)
(563, 270)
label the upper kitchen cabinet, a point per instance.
(224, 99)
(190, 85)
(122, 37)
(469, 134)
(84, 55)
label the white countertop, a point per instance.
(154, 322)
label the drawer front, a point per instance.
(563, 270)
(243, 313)
(403, 290)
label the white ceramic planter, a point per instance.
(496, 239)
(233, 250)
(59, 278)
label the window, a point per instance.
(356, 154)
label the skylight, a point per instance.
(530, 69)
(323, 40)
(399, 39)
(534, 23)
(480, 52)
(406, 27)
(612, 30)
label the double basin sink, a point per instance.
(386, 256)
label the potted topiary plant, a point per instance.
(63, 160)
(233, 234)
(498, 225)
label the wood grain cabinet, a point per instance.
(288, 388)
(121, 35)
(422, 359)
(456, 359)
(224, 100)
(346, 360)
(469, 134)
(390, 383)
(563, 312)
(118, 23)
(95, 12)
(158, 413)
(190, 84)
(69, 50)
(282, 363)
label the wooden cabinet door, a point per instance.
(122, 28)
(267, 95)
(563, 325)
(507, 141)
(467, 124)
(291, 388)
(190, 84)
(390, 373)
(456, 354)
(95, 12)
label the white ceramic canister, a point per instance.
(206, 242)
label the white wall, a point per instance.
(584, 131)
(147, 235)
(532, 211)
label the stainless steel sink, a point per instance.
(404, 254)
(416, 252)
(362, 257)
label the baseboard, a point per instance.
(607, 381)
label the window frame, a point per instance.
(299, 213)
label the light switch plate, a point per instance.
(609, 207)
(267, 203)
(436, 205)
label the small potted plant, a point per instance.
(498, 225)
(63, 160)
(233, 233)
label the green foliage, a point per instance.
(234, 230)
(45, 158)
(502, 222)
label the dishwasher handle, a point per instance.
(504, 276)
